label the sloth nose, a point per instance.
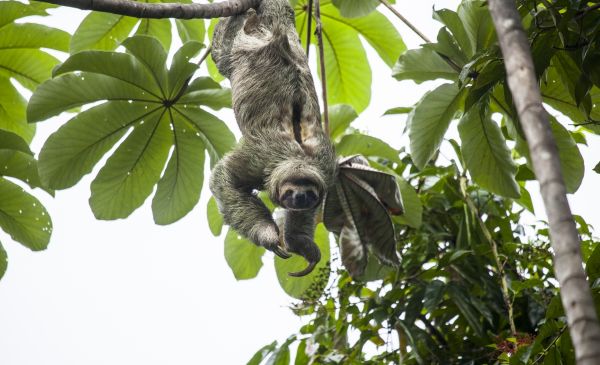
(300, 199)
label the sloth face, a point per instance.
(299, 194)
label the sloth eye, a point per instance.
(287, 194)
(311, 195)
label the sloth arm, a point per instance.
(232, 183)
(299, 230)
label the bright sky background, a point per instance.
(131, 292)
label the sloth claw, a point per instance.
(281, 252)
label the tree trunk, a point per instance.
(575, 292)
(161, 10)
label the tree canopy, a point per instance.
(475, 283)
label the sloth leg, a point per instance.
(241, 209)
(299, 231)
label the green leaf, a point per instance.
(215, 219)
(434, 293)
(151, 53)
(592, 266)
(301, 356)
(29, 67)
(597, 168)
(346, 65)
(422, 64)
(22, 166)
(190, 30)
(571, 161)
(280, 357)
(297, 287)
(157, 28)
(23, 217)
(362, 144)
(413, 209)
(243, 257)
(181, 69)
(12, 111)
(129, 175)
(19, 36)
(178, 190)
(461, 298)
(205, 91)
(355, 8)
(217, 138)
(455, 25)
(486, 155)
(399, 110)
(261, 354)
(71, 90)
(475, 17)
(3, 261)
(430, 119)
(121, 66)
(11, 10)
(101, 31)
(12, 141)
(340, 117)
(73, 150)
(376, 29)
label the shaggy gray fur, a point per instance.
(276, 107)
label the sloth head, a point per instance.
(296, 185)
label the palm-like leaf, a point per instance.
(358, 209)
(157, 112)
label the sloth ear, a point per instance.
(252, 23)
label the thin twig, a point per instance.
(405, 21)
(319, 33)
(550, 345)
(494, 246)
(452, 64)
(309, 12)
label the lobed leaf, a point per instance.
(243, 257)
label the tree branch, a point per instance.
(575, 292)
(319, 33)
(161, 10)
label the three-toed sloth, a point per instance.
(283, 149)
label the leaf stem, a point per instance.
(405, 21)
(494, 246)
(319, 34)
(309, 12)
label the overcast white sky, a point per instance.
(131, 292)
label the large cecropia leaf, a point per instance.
(152, 108)
(346, 64)
(357, 208)
(243, 257)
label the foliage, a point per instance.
(462, 232)
(22, 216)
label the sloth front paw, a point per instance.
(305, 247)
(267, 236)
